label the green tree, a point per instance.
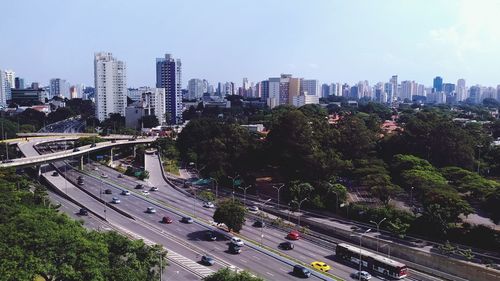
(227, 274)
(231, 213)
(356, 140)
(149, 121)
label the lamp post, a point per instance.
(360, 257)
(388, 250)
(411, 196)
(300, 204)
(378, 228)
(244, 193)
(216, 188)
(262, 221)
(234, 180)
(278, 188)
(336, 201)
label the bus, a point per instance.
(371, 261)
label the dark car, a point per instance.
(300, 271)
(55, 174)
(166, 220)
(139, 186)
(76, 149)
(286, 246)
(108, 191)
(234, 249)
(93, 145)
(80, 178)
(259, 224)
(211, 236)
(83, 212)
(187, 220)
(7, 161)
(207, 260)
(120, 176)
(113, 141)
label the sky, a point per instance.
(226, 40)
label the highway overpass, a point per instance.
(83, 150)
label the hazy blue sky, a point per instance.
(333, 41)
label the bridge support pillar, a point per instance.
(135, 148)
(111, 156)
(39, 170)
(81, 162)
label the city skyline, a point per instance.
(451, 39)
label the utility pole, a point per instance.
(360, 257)
(244, 193)
(262, 221)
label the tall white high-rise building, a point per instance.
(311, 86)
(408, 90)
(154, 99)
(3, 89)
(110, 79)
(461, 90)
(169, 76)
(394, 89)
(274, 92)
(10, 75)
(59, 88)
(196, 88)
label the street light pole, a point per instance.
(244, 194)
(300, 204)
(234, 180)
(262, 221)
(378, 229)
(388, 250)
(278, 188)
(360, 257)
(216, 188)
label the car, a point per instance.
(259, 224)
(104, 176)
(286, 246)
(125, 192)
(208, 204)
(113, 141)
(237, 241)
(76, 149)
(80, 178)
(187, 220)
(93, 145)
(145, 192)
(234, 249)
(150, 210)
(211, 236)
(139, 186)
(120, 176)
(83, 212)
(253, 209)
(321, 266)
(55, 174)
(300, 271)
(153, 188)
(80, 182)
(108, 191)
(167, 220)
(362, 275)
(207, 260)
(7, 161)
(96, 169)
(116, 200)
(293, 235)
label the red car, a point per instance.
(166, 220)
(293, 235)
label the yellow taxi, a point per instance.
(319, 265)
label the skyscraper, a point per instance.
(461, 90)
(3, 89)
(293, 89)
(437, 84)
(154, 100)
(10, 75)
(394, 89)
(408, 90)
(110, 79)
(168, 76)
(59, 88)
(264, 90)
(273, 92)
(311, 86)
(19, 83)
(325, 90)
(475, 93)
(284, 88)
(195, 88)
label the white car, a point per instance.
(154, 188)
(104, 176)
(145, 192)
(237, 241)
(150, 210)
(253, 209)
(125, 192)
(96, 169)
(208, 204)
(116, 200)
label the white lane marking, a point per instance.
(269, 273)
(257, 258)
(284, 270)
(245, 261)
